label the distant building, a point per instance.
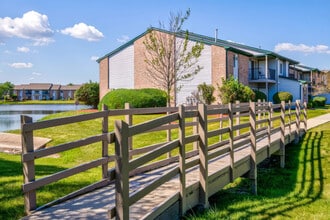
(316, 79)
(45, 91)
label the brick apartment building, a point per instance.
(260, 69)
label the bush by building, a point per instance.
(259, 95)
(282, 96)
(319, 101)
(232, 90)
(138, 98)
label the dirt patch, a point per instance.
(12, 143)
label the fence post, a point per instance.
(282, 140)
(122, 170)
(30, 198)
(203, 155)
(305, 117)
(269, 126)
(297, 134)
(221, 125)
(182, 160)
(105, 129)
(253, 157)
(238, 119)
(129, 121)
(264, 108)
(195, 131)
(168, 132)
(289, 106)
(231, 140)
(259, 113)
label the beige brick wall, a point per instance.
(104, 76)
(243, 69)
(140, 78)
(218, 62)
(230, 63)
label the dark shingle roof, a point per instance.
(235, 47)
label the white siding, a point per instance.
(292, 86)
(204, 75)
(121, 69)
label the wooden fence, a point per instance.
(203, 133)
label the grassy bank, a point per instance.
(11, 178)
(299, 191)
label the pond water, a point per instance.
(10, 114)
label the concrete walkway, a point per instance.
(12, 143)
(314, 122)
(95, 205)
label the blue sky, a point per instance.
(59, 41)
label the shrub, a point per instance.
(319, 101)
(232, 90)
(138, 98)
(259, 95)
(207, 93)
(88, 93)
(282, 96)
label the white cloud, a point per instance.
(302, 48)
(32, 25)
(83, 31)
(94, 58)
(36, 74)
(123, 39)
(21, 65)
(23, 49)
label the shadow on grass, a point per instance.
(11, 180)
(300, 183)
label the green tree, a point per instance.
(207, 93)
(6, 90)
(168, 56)
(232, 90)
(88, 93)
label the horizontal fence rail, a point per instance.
(202, 133)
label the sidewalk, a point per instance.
(12, 143)
(314, 122)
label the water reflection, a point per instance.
(10, 114)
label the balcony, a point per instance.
(258, 75)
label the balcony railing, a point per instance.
(259, 73)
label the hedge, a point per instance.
(138, 98)
(282, 96)
(259, 95)
(319, 101)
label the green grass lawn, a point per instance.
(11, 178)
(299, 191)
